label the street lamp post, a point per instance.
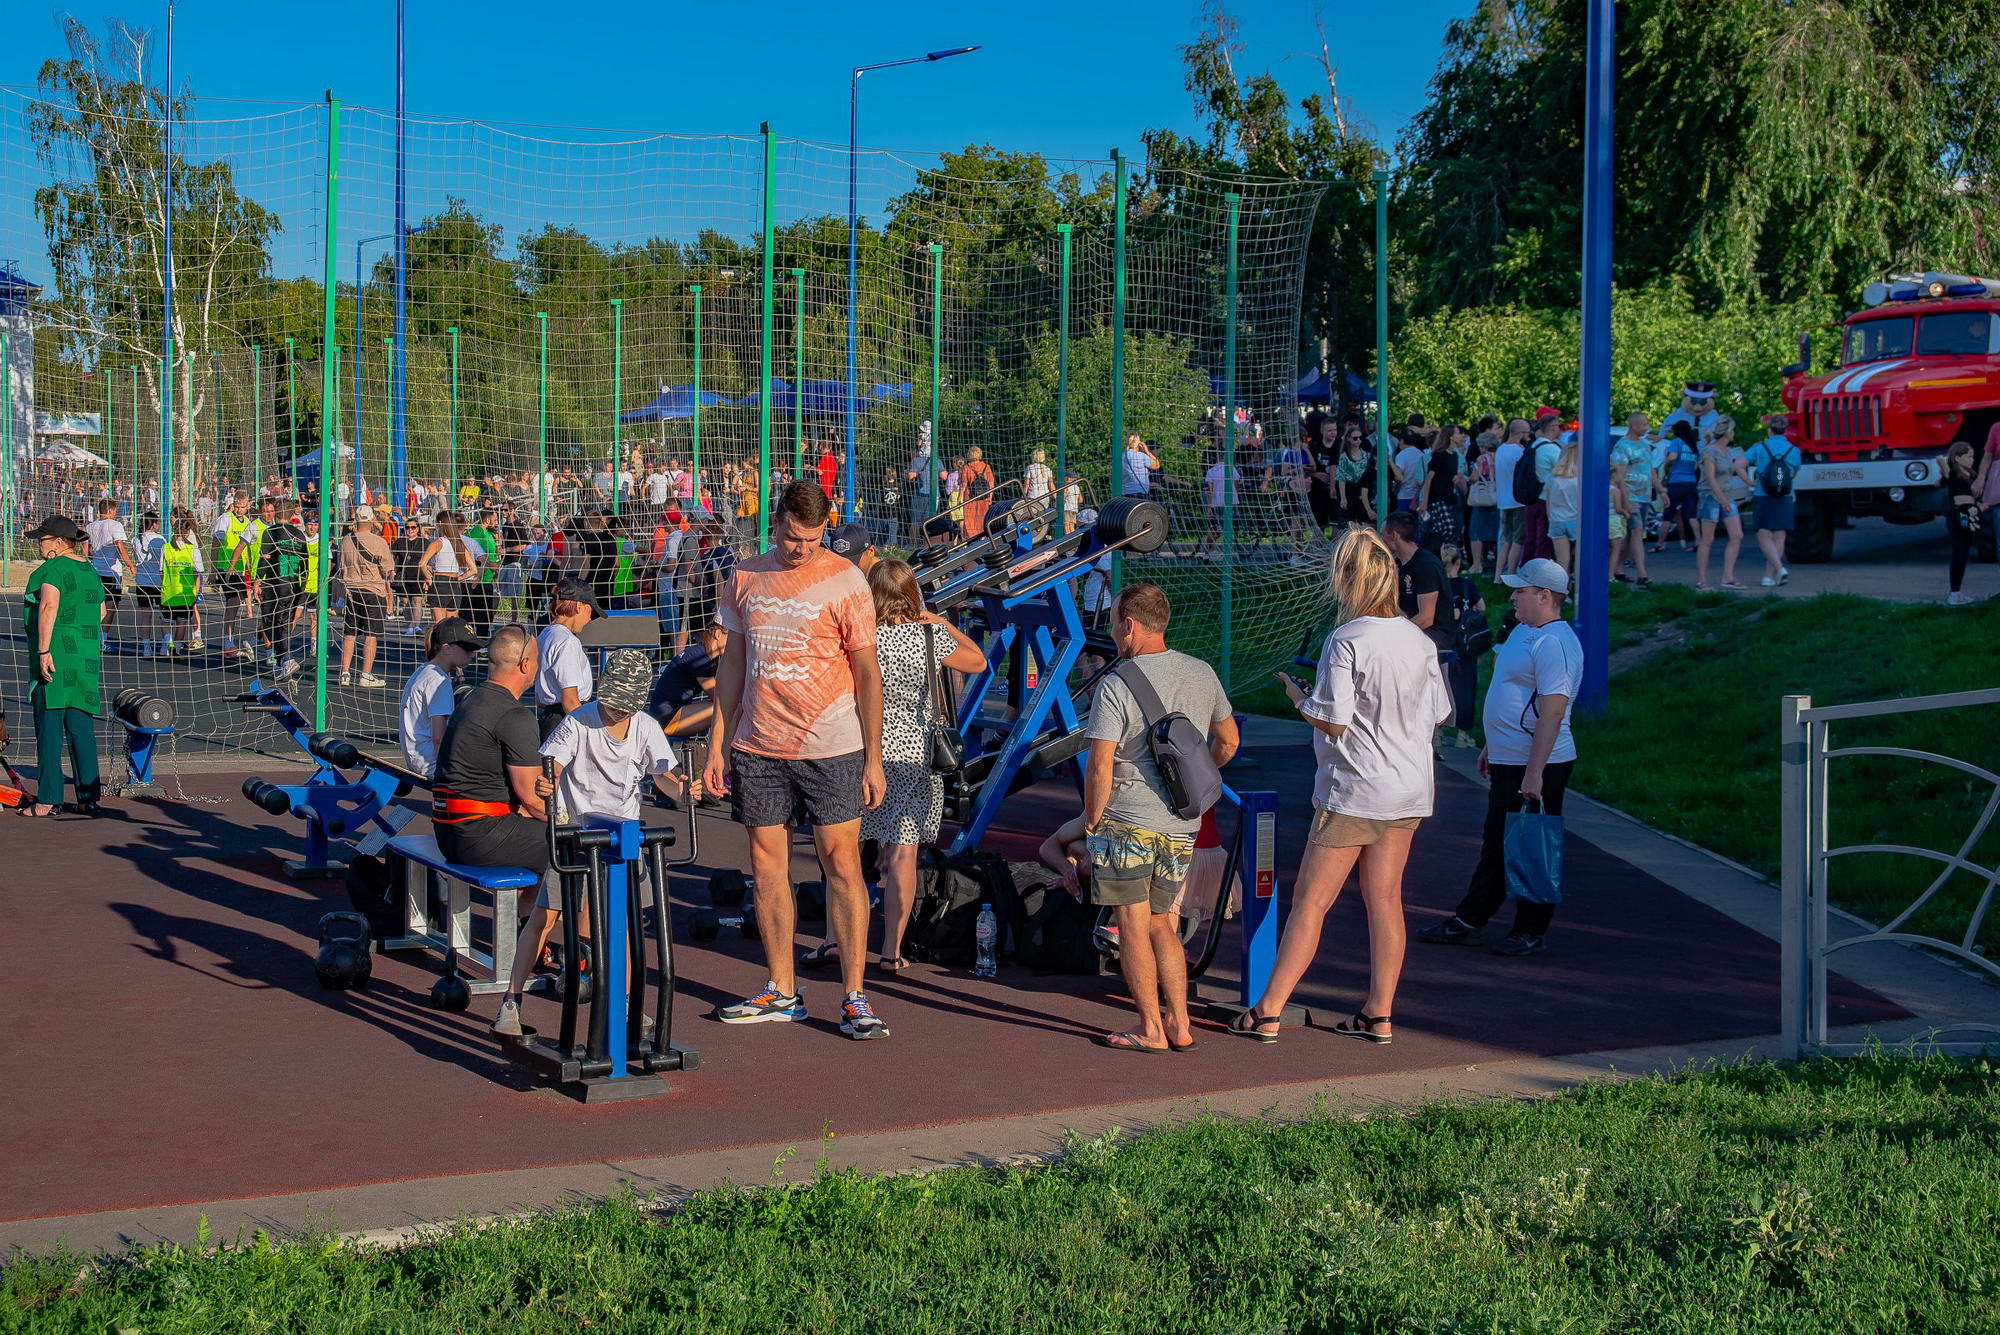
(853, 240)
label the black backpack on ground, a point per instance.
(950, 890)
(1527, 481)
(1056, 933)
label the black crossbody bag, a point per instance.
(944, 747)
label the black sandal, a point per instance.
(1361, 1026)
(1251, 1025)
(821, 955)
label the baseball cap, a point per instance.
(57, 526)
(574, 590)
(626, 682)
(364, 514)
(1540, 573)
(454, 630)
(1699, 389)
(850, 541)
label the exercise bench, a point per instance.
(420, 854)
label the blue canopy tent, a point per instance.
(305, 468)
(823, 398)
(1315, 387)
(671, 405)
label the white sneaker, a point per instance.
(508, 1022)
(347, 679)
(1958, 600)
(197, 644)
(288, 669)
(371, 681)
(1769, 583)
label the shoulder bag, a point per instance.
(944, 747)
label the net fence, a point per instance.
(534, 324)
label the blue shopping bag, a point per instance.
(1533, 851)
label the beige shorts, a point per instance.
(1130, 865)
(1330, 829)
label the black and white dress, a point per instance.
(913, 804)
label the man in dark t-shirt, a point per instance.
(487, 802)
(681, 694)
(1423, 591)
(1323, 449)
(594, 553)
(279, 576)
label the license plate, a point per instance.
(1837, 475)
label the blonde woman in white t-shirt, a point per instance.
(1376, 704)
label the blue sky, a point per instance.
(1070, 79)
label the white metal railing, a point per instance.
(1807, 747)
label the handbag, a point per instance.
(1483, 492)
(1532, 849)
(944, 746)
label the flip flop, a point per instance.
(893, 963)
(1130, 1043)
(1188, 1046)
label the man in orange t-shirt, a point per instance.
(798, 721)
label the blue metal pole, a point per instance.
(1592, 582)
(853, 267)
(168, 366)
(329, 467)
(399, 443)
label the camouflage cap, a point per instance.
(626, 682)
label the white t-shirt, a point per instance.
(656, 489)
(1039, 479)
(1216, 497)
(1379, 677)
(564, 663)
(1410, 469)
(604, 775)
(1535, 661)
(1138, 472)
(104, 536)
(427, 695)
(146, 551)
(1505, 460)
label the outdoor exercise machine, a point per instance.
(146, 719)
(363, 809)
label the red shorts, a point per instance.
(1208, 836)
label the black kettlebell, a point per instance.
(343, 961)
(450, 993)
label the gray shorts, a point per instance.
(765, 791)
(1514, 524)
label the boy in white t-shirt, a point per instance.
(110, 556)
(428, 702)
(1219, 490)
(604, 753)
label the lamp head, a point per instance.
(954, 51)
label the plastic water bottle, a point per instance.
(986, 936)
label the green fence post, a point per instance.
(452, 445)
(292, 416)
(937, 367)
(110, 440)
(1381, 348)
(1117, 350)
(765, 248)
(257, 413)
(617, 400)
(1063, 231)
(542, 412)
(798, 373)
(329, 414)
(133, 413)
(1229, 281)
(694, 421)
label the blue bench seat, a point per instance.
(423, 850)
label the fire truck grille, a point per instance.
(1837, 418)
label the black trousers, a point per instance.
(497, 841)
(1488, 890)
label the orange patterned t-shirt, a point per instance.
(797, 627)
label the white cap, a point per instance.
(364, 514)
(1086, 517)
(1540, 573)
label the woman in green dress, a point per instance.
(62, 599)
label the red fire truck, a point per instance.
(1919, 368)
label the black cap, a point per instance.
(454, 630)
(574, 590)
(850, 541)
(57, 526)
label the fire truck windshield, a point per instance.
(1955, 334)
(1872, 340)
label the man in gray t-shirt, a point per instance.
(1139, 849)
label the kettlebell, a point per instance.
(343, 960)
(450, 993)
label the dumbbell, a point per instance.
(141, 710)
(706, 924)
(728, 888)
(267, 795)
(334, 750)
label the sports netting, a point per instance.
(580, 307)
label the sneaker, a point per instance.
(347, 679)
(1521, 943)
(1769, 583)
(371, 681)
(288, 669)
(197, 644)
(508, 1022)
(770, 1004)
(1450, 932)
(145, 648)
(1959, 600)
(858, 1019)
(1784, 575)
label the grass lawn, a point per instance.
(1834, 1196)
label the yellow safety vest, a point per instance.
(312, 564)
(622, 582)
(232, 534)
(178, 578)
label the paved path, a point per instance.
(1874, 559)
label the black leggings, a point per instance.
(1963, 540)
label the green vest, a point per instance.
(177, 575)
(622, 581)
(232, 538)
(312, 564)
